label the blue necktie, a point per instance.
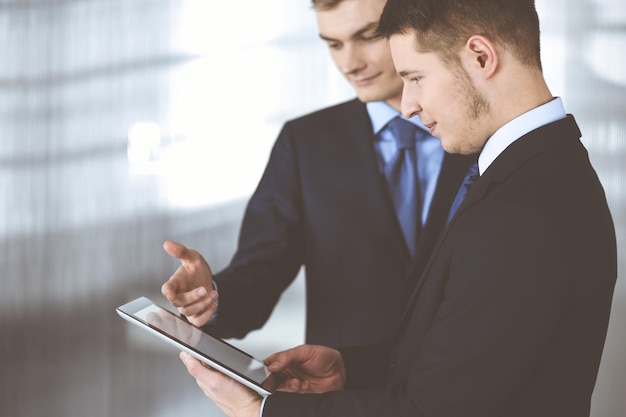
(470, 178)
(401, 173)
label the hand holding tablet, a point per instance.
(212, 351)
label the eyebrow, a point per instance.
(359, 32)
(404, 74)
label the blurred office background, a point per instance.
(127, 122)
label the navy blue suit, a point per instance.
(323, 203)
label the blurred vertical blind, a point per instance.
(126, 122)
(123, 123)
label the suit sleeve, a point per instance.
(270, 248)
(366, 366)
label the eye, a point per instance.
(333, 45)
(416, 80)
(372, 38)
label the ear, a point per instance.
(482, 55)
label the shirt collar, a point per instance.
(518, 127)
(381, 113)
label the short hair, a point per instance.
(444, 26)
(324, 5)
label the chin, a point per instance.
(450, 147)
(454, 147)
(367, 97)
(467, 144)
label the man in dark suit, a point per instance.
(324, 202)
(510, 316)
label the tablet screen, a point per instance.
(212, 350)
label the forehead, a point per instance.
(406, 57)
(349, 17)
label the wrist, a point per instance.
(254, 409)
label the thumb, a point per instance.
(282, 360)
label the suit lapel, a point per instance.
(476, 193)
(452, 172)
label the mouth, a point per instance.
(360, 82)
(431, 127)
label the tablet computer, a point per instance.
(215, 352)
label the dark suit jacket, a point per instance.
(510, 316)
(322, 203)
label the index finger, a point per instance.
(190, 259)
(176, 250)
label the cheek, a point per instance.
(335, 55)
(454, 104)
(381, 56)
(432, 102)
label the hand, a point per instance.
(235, 399)
(309, 369)
(190, 289)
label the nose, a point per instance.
(350, 60)
(409, 106)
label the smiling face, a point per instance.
(444, 97)
(364, 58)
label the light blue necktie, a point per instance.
(470, 178)
(401, 173)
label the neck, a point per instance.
(395, 102)
(525, 91)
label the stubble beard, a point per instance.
(476, 108)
